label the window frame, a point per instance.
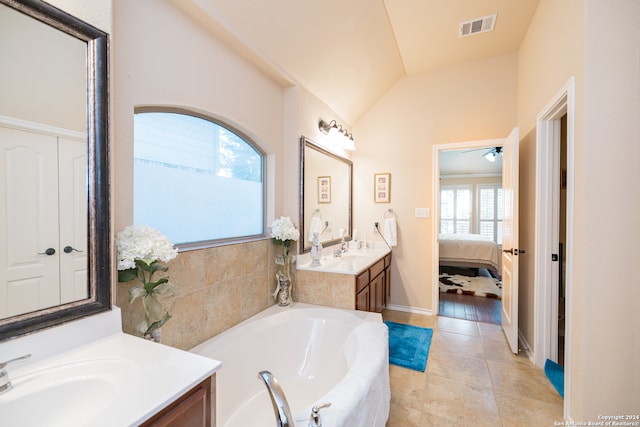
(210, 243)
(497, 222)
(455, 188)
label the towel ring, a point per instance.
(316, 213)
(390, 214)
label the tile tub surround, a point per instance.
(216, 288)
(472, 378)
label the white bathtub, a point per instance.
(318, 355)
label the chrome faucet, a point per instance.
(278, 400)
(5, 384)
(314, 419)
(342, 249)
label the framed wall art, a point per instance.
(324, 189)
(382, 187)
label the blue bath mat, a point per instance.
(409, 345)
(555, 373)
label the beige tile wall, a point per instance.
(327, 289)
(216, 288)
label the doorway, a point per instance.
(466, 201)
(553, 270)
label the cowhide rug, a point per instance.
(479, 286)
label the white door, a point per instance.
(510, 239)
(29, 255)
(72, 176)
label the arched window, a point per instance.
(196, 180)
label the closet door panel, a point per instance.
(29, 277)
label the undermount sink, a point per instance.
(81, 391)
(350, 262)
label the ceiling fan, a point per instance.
(490, 155)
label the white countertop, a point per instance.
(352, 262)
(142, 377)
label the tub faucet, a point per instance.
(278, 400)
(314, 420)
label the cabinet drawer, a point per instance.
(376, 268)
(387, 260)
(362, 281)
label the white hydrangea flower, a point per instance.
(144, 243)
(283, 229)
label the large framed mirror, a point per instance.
(55, 251)
(325, 195)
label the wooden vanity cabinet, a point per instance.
(192, 409)
(373, 286)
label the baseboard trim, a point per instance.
(525, 346)
(413, 310)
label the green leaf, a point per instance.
(157, 325)
(156, 266)
(149, 287)
(127, 275)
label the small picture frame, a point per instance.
(324, 189)
(382, 187)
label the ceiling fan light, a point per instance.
(491, 156)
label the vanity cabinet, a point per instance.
(192, 409)
(351, 286)
(373, 286)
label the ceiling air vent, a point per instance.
(478, 25)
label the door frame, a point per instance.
(546, 288)
(437, 148)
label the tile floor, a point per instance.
(472, 379)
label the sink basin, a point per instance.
(87, 387)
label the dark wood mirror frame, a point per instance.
(98, 233)
(306, 143)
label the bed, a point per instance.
(469, 250)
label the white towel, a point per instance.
(391, 231)
(315, 226)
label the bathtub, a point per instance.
(318, 354)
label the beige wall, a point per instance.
(41, 66)
(606, 357)
(474, 101)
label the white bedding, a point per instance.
(469, 250)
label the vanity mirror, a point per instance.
(325, 194)
(55, 257)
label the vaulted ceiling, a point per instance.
(349, 53)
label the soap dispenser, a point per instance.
(354, 244)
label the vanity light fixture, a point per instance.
(337, 133)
